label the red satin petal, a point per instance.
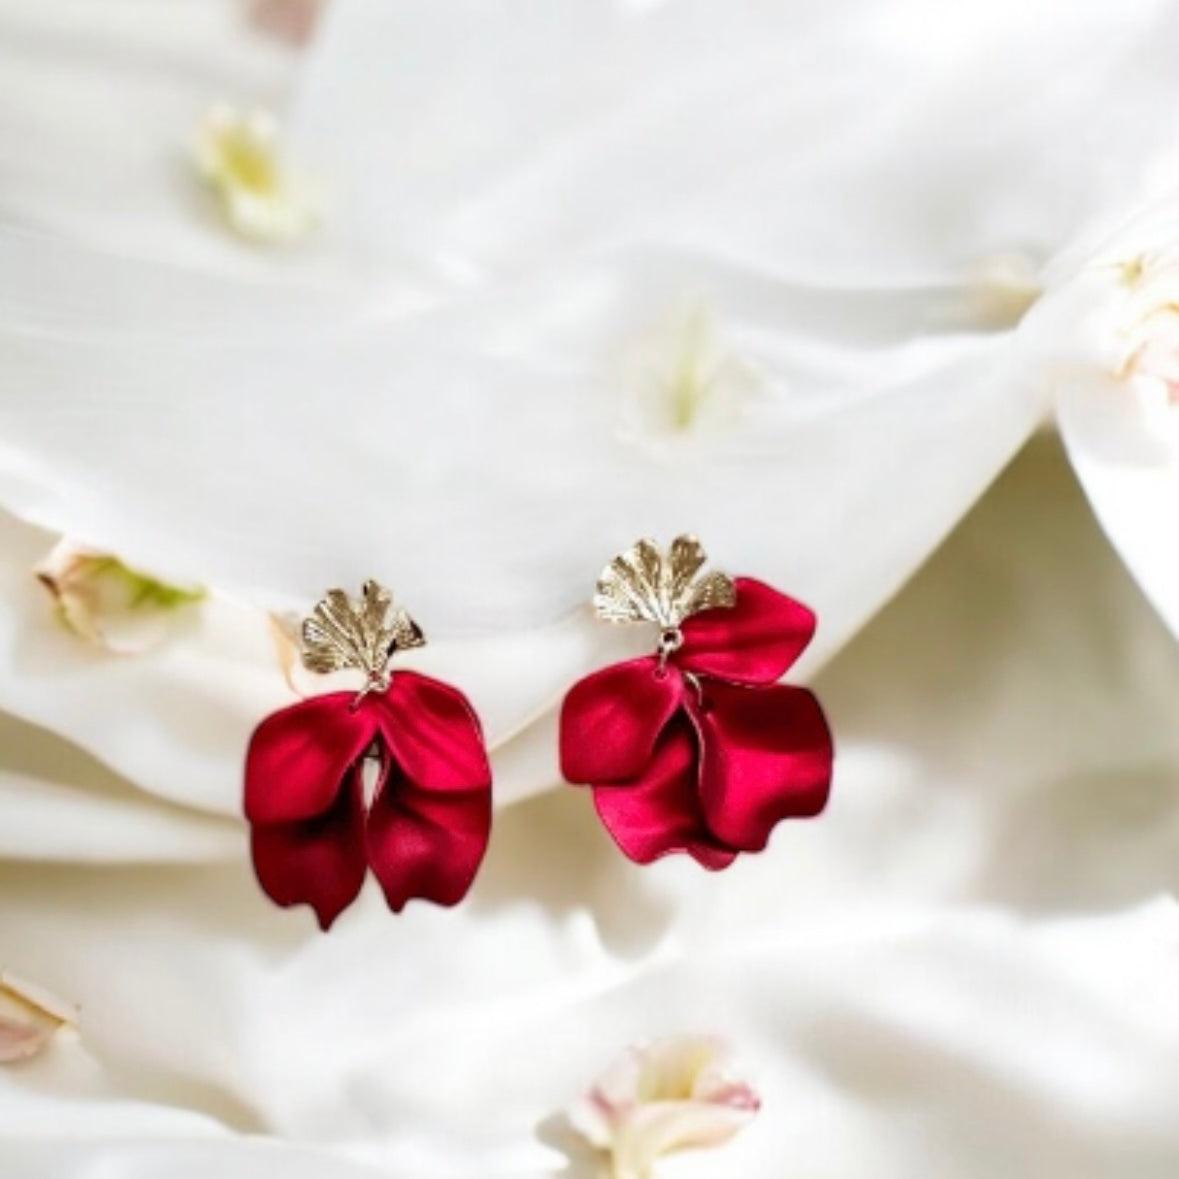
(319, 861)
(659, 812)
(299, 756)
(611, 720)
(753, 642)
(767, 756)
(426, 843)
(433, 734)
(430, 820)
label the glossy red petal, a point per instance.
(426, 843)
(320, 861)
(433, 734)
(659, 812)
(611, 720)
(766, 756)
(299, 757)
(430, 820)
(753, 642)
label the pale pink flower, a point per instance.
(1138, 332)
(670, 1095)
(292, 21)
(30, 1017)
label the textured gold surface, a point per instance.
(645, 584)
(343, 632)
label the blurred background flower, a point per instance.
(802, 279)
(660, 1098)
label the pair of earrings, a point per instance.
(694, 748)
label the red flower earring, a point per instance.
(314, 833)
(697, 748)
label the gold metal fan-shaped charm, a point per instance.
(345, 632)
(644, 584)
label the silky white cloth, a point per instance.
(476, 461)
(969, 966)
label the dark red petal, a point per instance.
(433, 734)
(426, 843)
(319, 861)
(430, 819)
(767, 756)
(298, 757)
(611, 720)
(754, 642)
(659, 812)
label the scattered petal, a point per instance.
(237, 156)
(292, 21)
(1146, 342)
(29, 1019)
(108, 603)
(667, 1096)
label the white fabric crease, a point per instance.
(968, 966)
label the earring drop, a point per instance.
(696, 748)
(315, 827)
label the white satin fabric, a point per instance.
(969, 966)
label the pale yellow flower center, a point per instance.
(674, 1079)
(692, 385)
(247, 161)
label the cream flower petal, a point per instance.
(106, 603)
(663, 1128)
(238, 156)
(1106, 339)
(29, 1019)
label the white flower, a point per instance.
(29, 1019)
(1146, 342)
(109, 604)
(237, 156)
(1108, 330)
(292, 21)
(1109, 322)
(667, 1096)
